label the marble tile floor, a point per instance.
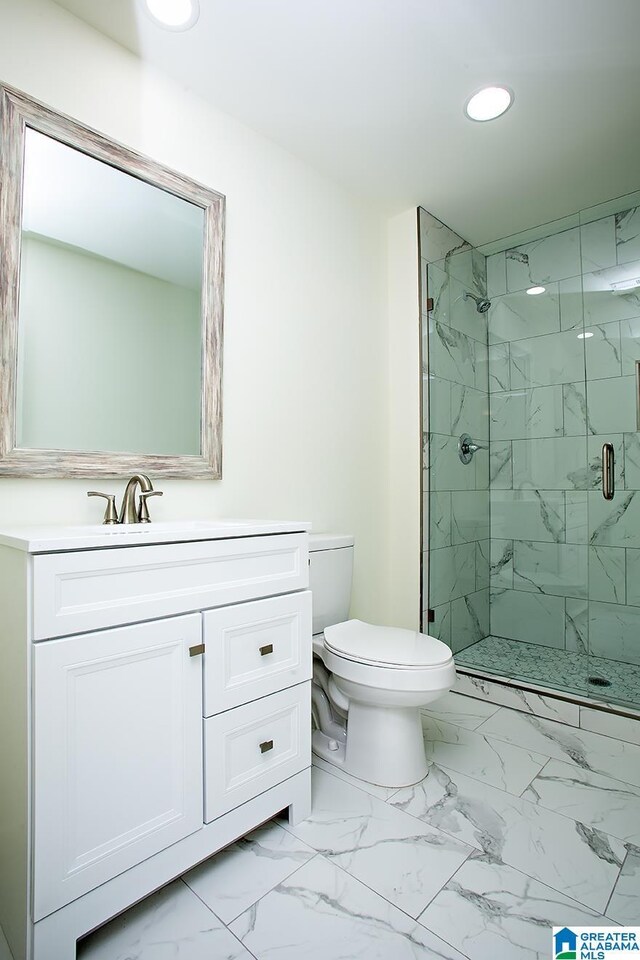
(478, 861)
(557, 669)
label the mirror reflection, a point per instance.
(109, 333)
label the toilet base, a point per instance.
(384, 745)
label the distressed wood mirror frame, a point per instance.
(17, 112)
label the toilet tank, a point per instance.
(330, 571)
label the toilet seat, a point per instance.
(390, 647)
(436, 671)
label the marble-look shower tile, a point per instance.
(462, 711)
(632, 578)
(532, 617)
(469, 619)
(500, 466)
(610, 724)
(614, 631)
(612, 405)
(632, 460)
(436, 239)
(581, 861)
(446, 470)
(518, 699)
(321, 912)
(630, 340)
(628, 235)
(470, 516)
(453, 573)
(574, 401)
(244, 872)
(551, 258)
(398, 857)
(598, 244)
(440, 627)
(576, 626)
(468, 267)
(463, 312)
(601, 305)
(496, 275)
(607, 566)
(469, 412)
(439, 405)
(172, 923)
(603, 351)
(499, 912)
(587, 750)
(556, 358)
(528, 515)
(615, 523)
(559, 569)
(623, 906)
(502, 564)
(483, 565)
(452, 354)
(571, 304)
(476, 756)
(591, 798)
(517, 316)
(438, 529)
(558, 463)
(527, 413)
(577, 521)
(438, 291)
(499, 367)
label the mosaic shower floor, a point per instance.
(559, 669)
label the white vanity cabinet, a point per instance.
(154, 706)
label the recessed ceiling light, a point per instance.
(488, 103)
(173, 14)
(585, 336)
(534, 291)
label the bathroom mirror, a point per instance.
(111, 296)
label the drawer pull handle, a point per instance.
(197, 650)
(268, 648)
(266, 746)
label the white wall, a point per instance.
(306, 385)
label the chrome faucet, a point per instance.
(131, 512)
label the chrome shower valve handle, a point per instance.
(467, 447)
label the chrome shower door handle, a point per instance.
(608, 476)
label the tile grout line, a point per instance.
(213, 913)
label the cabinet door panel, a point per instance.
(254, 649)
(118, 753)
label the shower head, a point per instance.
(482, 305)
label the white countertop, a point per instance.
(36, 539)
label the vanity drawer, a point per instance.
(254, 649)
(86, 590)
(254, 747)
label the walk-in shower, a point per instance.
(531, 497)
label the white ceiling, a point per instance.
(371, 93)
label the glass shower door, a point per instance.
(610, 243)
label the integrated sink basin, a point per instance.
(91, 536)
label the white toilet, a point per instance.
(369, 682)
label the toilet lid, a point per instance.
(386, 646)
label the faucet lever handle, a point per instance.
(143, 512)
(110, 513)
